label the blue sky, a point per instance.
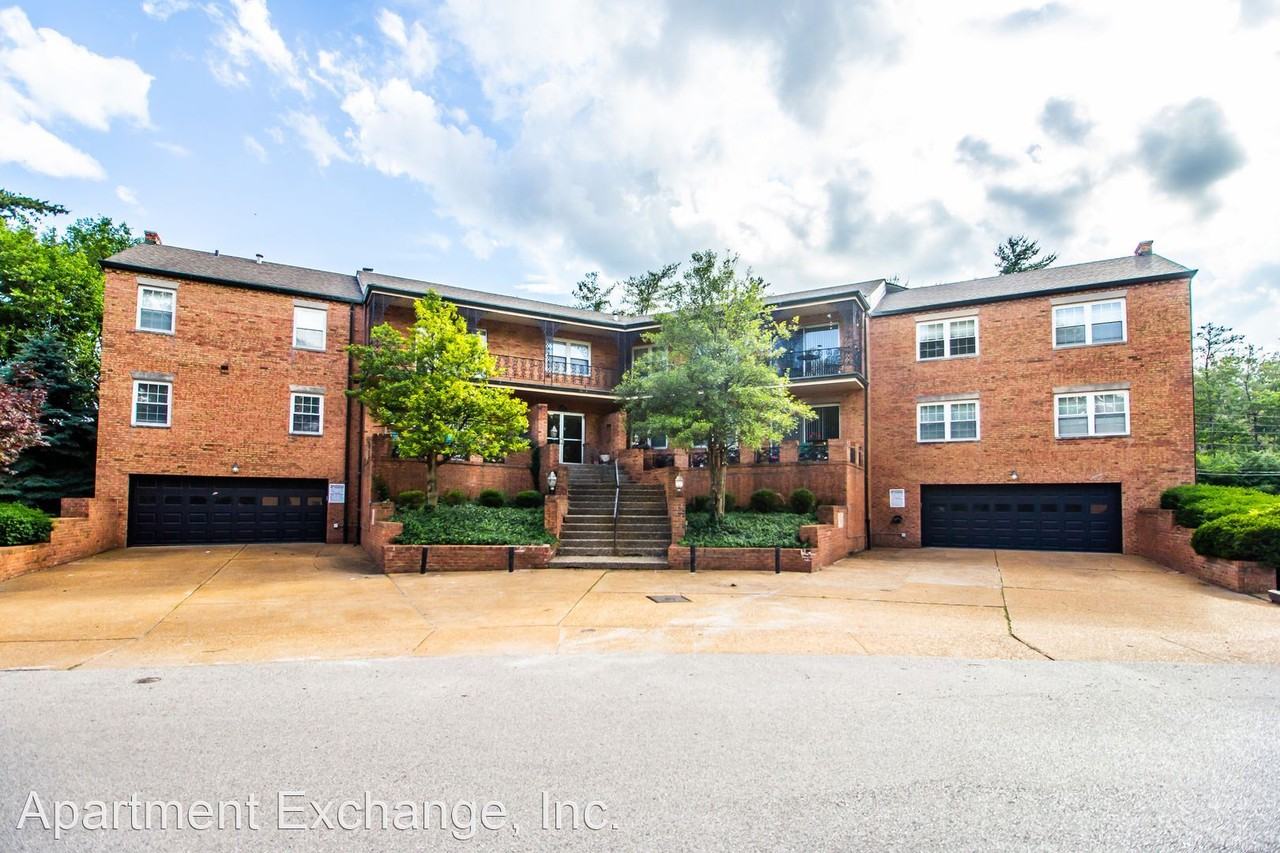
(512, 147)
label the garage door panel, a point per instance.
(1076, 517)
(215, 510)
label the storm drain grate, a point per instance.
(666, 599)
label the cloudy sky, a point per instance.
(513, 146)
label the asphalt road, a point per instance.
(680, 752)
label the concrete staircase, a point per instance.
(586, 540)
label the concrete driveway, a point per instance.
(159, 606)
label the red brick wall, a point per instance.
(85, 526)
(1161, 540)
(1015, 375)
(743, 559)
(463, 558)
(240, 416)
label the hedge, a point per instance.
(1194, 505)
(1231, 522)
(471, 524)
(746, 530)
(23, 525)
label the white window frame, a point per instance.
(947, 406)
(568, 360)
(1091, 414)
(324, 328)
(483, 335)
(1088, 322)
(804, 422)
(173, 311)
(946, 324)
(293, 402)
(168, 409)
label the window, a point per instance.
(1097, 413)
(306, 414)
(823, 426)
(572, 357)
(1088, 323)
(309, 327)
(947, 338)
(483, 335)
(151, 403)
(156, 307)
(949, 421)
(655, 441)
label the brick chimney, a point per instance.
(152, 237)
(1144, 248)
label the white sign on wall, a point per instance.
(337, 493)
(897, 498)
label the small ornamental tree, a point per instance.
(19, 421)
(430, 386)
(710, 377)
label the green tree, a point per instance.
(19, 422)
(430, 386)
(1018, 254)
(1237, 388)
(651, 291)
(710, 377)
(63, 465)
(589, 294)
(46, 286)
(98, 238)
(24, 211)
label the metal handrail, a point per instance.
(617, 491)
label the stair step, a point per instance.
(609, 562)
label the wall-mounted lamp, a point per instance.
(551, 481)
(235, 467)
(1013, 475)
(679, 484)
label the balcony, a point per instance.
(555, 373)
(823, 361)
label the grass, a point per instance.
(471, 524)
(746, 530)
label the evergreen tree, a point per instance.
(1018, 254)
(590, 295)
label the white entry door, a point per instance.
(568, 431)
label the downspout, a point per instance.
(866, 425)
(346, 438)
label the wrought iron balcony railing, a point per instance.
(555, 372)
(825, 361)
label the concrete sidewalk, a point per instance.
(158, 606)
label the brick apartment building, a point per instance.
(1034, 410)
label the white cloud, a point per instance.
(46, 78)
(174, 148)
(255, 148)
(247, 37)
(126, 195)
(316, 138)
(162, 10)
(418, 52)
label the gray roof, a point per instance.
(485, 299)
(228, 269)
(1131, 269)
(862, 288)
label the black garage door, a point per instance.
(1083, 517)
(205, 510)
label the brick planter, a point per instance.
(85, 527)
(464, 558)
(1161, 540)
(744, 559)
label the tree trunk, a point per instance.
(432, 465)
(717, 475)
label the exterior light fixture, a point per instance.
(1013, 475)
(679, 484)
(235, 467)
(551, 481)
(554, 434)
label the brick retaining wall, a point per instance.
(85, 527)
(1160, 539)
(464, 558)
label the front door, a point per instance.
(567, 430)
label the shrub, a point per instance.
(1250, 535)
(746, 530)
(470, 524)
(381, 491)
(730, 502)
(453, 497)
(411, 499)
(702, 503)
(803, 501)
(491, 498)
(766, 500)
(529, 499)
(23, 525)
(1194, 505)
